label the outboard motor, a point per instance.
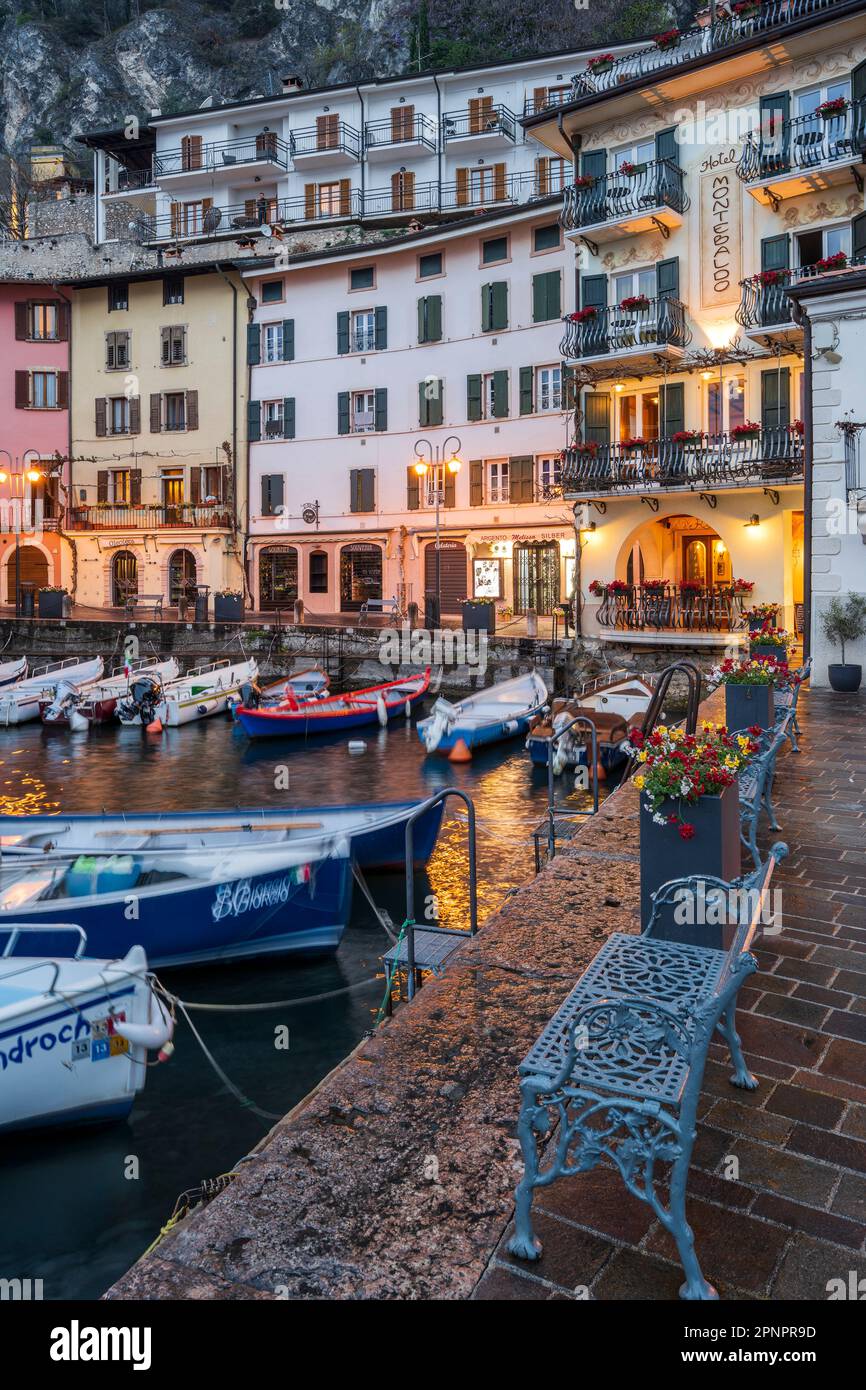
(144, 696)
(67, 697)
(251, 695)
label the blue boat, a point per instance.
(499, 712)
(615, 703)
(335, 713)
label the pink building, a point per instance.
(34, 433)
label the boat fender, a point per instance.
(154, 727)
(511, 726)
(166, 1052)
(381, 712)
(408, 709)
(460, 753)
(77, 723)
(155, 1036)
(440, 721)
(357, 745)
(201, 709)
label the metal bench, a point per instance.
(391, 606)
(785, 701)
(756, 785)
(151, 603)
(620, 1066)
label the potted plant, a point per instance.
(762, 613)
(50, 601)
(745, 9)
(586, 448)
(770, 642)
(228, 606)
(637, 441)
(689, 812)
(831, 263)
(743, 586)
(602, 62)
(654, 585)
(617, 586)
(633, 303)
(766, 278)
(597, 589)
(583, 315)
(631, 170)
(841, 623)
(750, 429)
(479, 614)
(584, 181)
(749, 688)
(828, 109)
(669, 39)
(686, 437)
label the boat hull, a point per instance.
(611, 755)
(479, 736)
(312, 718)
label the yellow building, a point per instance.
(158, 401)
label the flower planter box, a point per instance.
(50, 603)
(228, 608)
(768, 649)
(746, 705)
(755, 624)
(478, 617)
(714, 850)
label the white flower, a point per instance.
(685, 786)
(659, 820)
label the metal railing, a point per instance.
(338, 138)
(609, 331)
(803, 143)
(423, 197)
(266, 147)
(511, 188)
(118, 517)
(670, 608)
(129, 180)
(494, 120)
(419, 130)
(765, 302)
(656, 184)
(711, 460)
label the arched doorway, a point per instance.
(124, 577)
(182, 574)
(536, 576)
(278, 577)
(452, 573)
(360, 575)
(32, 569)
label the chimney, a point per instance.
(292, 83)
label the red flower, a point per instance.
(687, 831)
(755, 730)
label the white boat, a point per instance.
(74, 1032)
(205, 690)
(21, 701)
(13, 671)
(615, 703)
(79, 706)
(498, 712)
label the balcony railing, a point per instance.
(338, 138)
(709, 460)
(656, 184)
(609, 332)
(637, 608)
(765, 302)
(419, 197)
(115, 516)
(128, 180)
(804, 144)
(510, 188)
(493, 120)
(417, 130)
(267, 147)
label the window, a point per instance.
(806, 103)
(272, 494)
(44, 322)
(433, 482)
(117, 415)
(318, 572)
(494, 306)
(328, 132)
(332, 199)
(363, 331)
(173, 346)
(814, 246)
(494, 249)
(726, 404)
(120, 484)
(362, 489)
(363, 411)
(116, 351)
(639, 415)
(546, 296)
(172, 487)
(547, 238)
(272, 342)
(272, 291)
(172, 289)
(633, 283)
(362, 278)
(272, 416)
(497, 481)
(644, 152)
(551, 176)
(548, 388)
(43, 391)
(118, 295)
(549, 475)
(430, 265)
(175, 410)
(212, 484)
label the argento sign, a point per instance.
(721, 236)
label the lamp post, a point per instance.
(18, 476)
(438, 457)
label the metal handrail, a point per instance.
(16, 928)
(803, 143)
(381, 133)
(262, 147)
(312, 140)
(410, 877)
(704, 458)
(495, 120)
(658, 184)
(551, 794)
(693, 676)
(611, 329)
(765, 302)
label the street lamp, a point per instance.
(438, 457)
(18, 476)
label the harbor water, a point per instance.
(77, 1207)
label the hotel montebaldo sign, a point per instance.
(721, 230)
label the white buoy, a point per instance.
(408, 709)
(77, 723)
(357, 745)
(382, 712)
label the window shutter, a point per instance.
(500, 186)
(450, 489)
(462, 178)
(165, 345)
(135, 415)
(195, 486)
(520, 487)
(381, 332)
(22, 319)
(430, 401)
(254, 344)
(288, 340)
(345, 197)
(192, 410)
(473, 397)
(546, 296)
(775, 129)
(526, 376)
(476, 483)
(327, 131)
(110, 341)
(499, 305)
(102, 485)
(289, 417)
(858, 100)
(343, 412)
(775, 398)
(343, 332)
(667, 147)
(155, 412)
(423, 404)
(190, 152)
(596, 417)
(135, 487)
(434, 318)
(380, 416)
(361, 490)
(413, 490)
(594, 163)
(858, 237)
(22, 390)
(174, 219)
(309, 200)
(568, 387)
(672, 411)
(266, 494)
(101, 425)
(500, 394)
(254, 421)
(63, 322)
(63, 390)
(368, 500)
(668, 278)
(539, 99)
(774, 252)
(542, 176)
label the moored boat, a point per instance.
(95, 702)
(336, 713)
(13, 671)
(201, 692)
(21, 702)
(498, 712)
(615, 703)
(309, 683)
(74, 1031)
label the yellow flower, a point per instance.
(742, 741)
(731, 764)
(642, 756)
(639, 781)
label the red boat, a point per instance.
(378, 703)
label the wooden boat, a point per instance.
(615, 703)
(21, 701)
(375, 832)
(74, 1031)
(309, 683)
(78, 706)
(13, 671)
(203, 691)
(335, 713)
(499, 712)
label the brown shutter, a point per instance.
(190, 152)
(402, 122)
(195, 486)
(135, 485)
(165, 346)
(155, 412)
(135, 415)
(22, 390)
(249, 207)
(63, 321)
(63, 390)
(403, 191)
(499, 185)
(345, 197)
(480, 109)
(462, 187)
(175, 219)
(476, 483)
(192, 410)
(309, 200)
(101, 429)
(539, 98)
(542, 176)
(102, 483)
(327, 132)
(22, 318)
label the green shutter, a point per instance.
(520, 472)
(666, 145)
(596, 417)
(380, 414)
(473, 397)
(368, 497)
(672, 416)
(499, 305)
(858, 100)
(430, 401)
(435, 405)
(355, 490)
(546, 296)
(381, 338)
(858, 237)
(288, 340)
(343, 412)
(486, 308)
(668, 278)
(500, 395)
(775, 130)
(289, 417)
(774, 252)
(526, 381)
(568, 391)
(254, 344)
(254, 421)
(450, 489)
(413, 490)
(775, 398)
(434, 318)
(593, 291)
(594, 163)
(343, 332)
(476, 483)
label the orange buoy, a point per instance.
(460, 753)
(155, 727)
(600, 773)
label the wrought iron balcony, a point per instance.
(765, 304)
(704, 461)
(397, 133)
(320, 143)
(795, 151)
(116, 516)
(127, 181)
(613, 332)
(482, 123)
(668, 607)
(394, 201)
(627, 203)
(207, 156)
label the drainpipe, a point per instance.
(577, 607)
(438, 142)
(363, 149)
(234, 291)
(802, 317)
(69, 493)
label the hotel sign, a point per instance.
(721, 233)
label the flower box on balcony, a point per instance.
(584, 181)
(798, 427)
(829, 109)
(669, 39)
(586, 449)
(629, 445)
(654, 586)
(634, 303)
(745, 9)
(690, 588)
(630, 170)
(686, 437)
(583, 315)
(617, 586)
(750, 430)
(837, 262)
(597, 589)
(767, 278)
(603, 63)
